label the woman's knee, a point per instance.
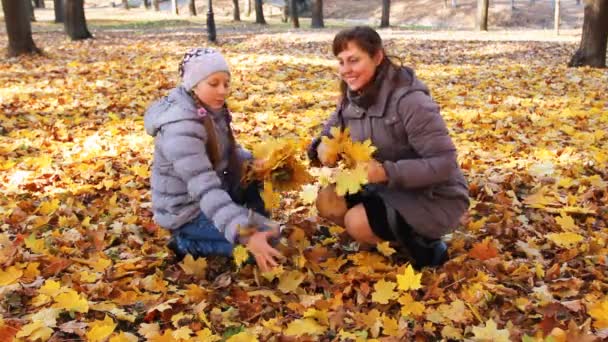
(357, 226)
(330, 205)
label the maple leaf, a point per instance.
(490, 333)
(289, 281)
(48, 316)
(565, 239)
(182, 333)
(410, 307)
(35, 245)
(384, 292)
(35, 331)
(271, 199)
(385, 248)
(409, 280)
(206, 335)
(484, 250)
(566, 222)
(47, 208)
(10, 275)
(599, 312)
(350, 181)
(100, 330)
(305, 326)
(308, 195)
(240, 255)
(149, 330)
(390, 326)
(194, 267)
(70, 300)
(358, 152)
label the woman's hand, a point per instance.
(326, 157)
(265, 255)
(376, 172)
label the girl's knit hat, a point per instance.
(198, 64)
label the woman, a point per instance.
(416, 192)
(195, 181)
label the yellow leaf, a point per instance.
(240, 254)
(489, 332)
(350, 181)
(47, 208)
(451, 333)
(477, 225)
(10, 275)
(35, 331)
(599, 312)
(410, 307)
(177, 317)
(206, 335)
(70, 300)
(271, 199)
(88, 277)
(385, 248)
(124, 337)
(48, 316)
(149, 330)
(390, 326)
(358, 152)
(266, 293)
(384, 292)
(273, 273)
(100, 330)
(409, 280)
(50, 288)
(306, 326)
(194, 267)
(100, 264)
(566, 222)
(565, 239)
(35, 245)
(31, 271)
(309, 192)
(243, 336)
(289, 281)
(182, 333)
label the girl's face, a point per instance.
(357, 67)
(213, 90)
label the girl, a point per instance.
(416, 191)
(196, 191)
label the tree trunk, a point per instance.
(556, 17)
(454, 4)
(248, 7)
(386, 13)
(259, 13)
(39, 3)
(192, 7)
(125, 4)
(156, 5)
(594, 41)
(174, 7)
(512, 4)
(236, 15)
(30, 8)
(18, 28)
(75, 21)
(482, 15)
(59, 11)
(293, 8)
(317, 14)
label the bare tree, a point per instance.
(75, 21)
(482, 15)
(248, 7)
(18, 28)
(59, 11)
(147, 4)
(386, 13)
(192, 7)
(236, 14)
(39, 4)
(594, 41)
(317, 14)
(174, 7)
(156, 5)
(125, 4)
(293, 9)
(30, 8)
(259, 12)
(556, 16)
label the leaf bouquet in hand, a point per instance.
(276, 164)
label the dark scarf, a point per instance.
(366, 97)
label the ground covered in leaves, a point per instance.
(82, 259)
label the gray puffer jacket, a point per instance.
(184, 182)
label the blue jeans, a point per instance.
(200, 237)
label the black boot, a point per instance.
(427, 252)
(180, 254)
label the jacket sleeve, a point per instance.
(333, 121)
(184, 146)
(428, 135)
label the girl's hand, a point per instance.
(376, 172)
(265, 255)
(325, 157)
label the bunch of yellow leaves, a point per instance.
(351, 157)
(277, 165)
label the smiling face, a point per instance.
(213, 90)
(357, 67)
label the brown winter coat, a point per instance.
(426, 185)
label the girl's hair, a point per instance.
(366, 38)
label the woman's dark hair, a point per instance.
(366, 38)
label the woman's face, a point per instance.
(357, 67)
(213, 90)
